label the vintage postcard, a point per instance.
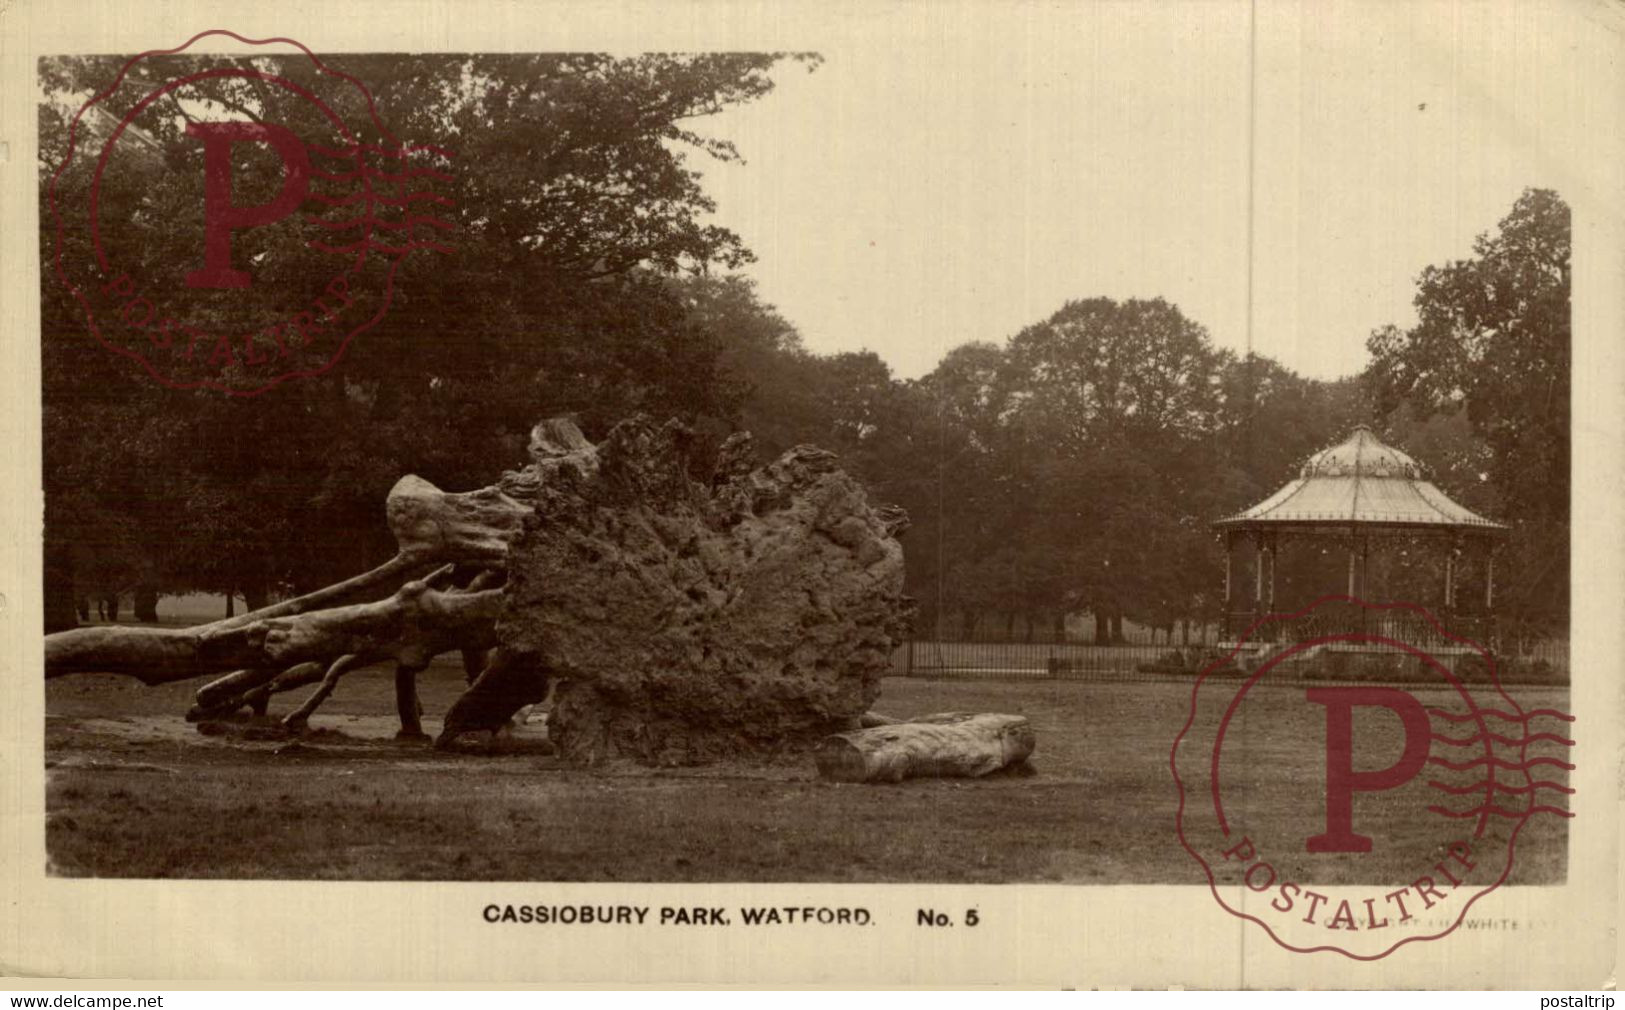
(758, 494)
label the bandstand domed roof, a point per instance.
(1361, 481)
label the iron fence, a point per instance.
(981, 660)
(1540, 662)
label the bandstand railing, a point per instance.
(1405, 626)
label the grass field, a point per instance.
(134, 791)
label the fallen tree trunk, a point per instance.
(431, 528)
(412, 626)
(951, 745)
(402, 565)
(163, 655)
(151, 655)
(688, 616)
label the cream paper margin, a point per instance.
(431, 934)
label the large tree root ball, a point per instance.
(695, 620)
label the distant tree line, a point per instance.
(1072, 468)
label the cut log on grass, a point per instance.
(869, 720)
(951, 745)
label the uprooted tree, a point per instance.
(684, 618)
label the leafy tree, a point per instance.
(1099, 373)
(1126, 397)
(1493, 341)
(1058, 473)
(572, 200)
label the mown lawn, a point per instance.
(134, 791)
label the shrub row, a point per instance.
(1359, 667)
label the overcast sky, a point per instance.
(946, 179)
(957, 169)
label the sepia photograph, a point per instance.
(1136, 449)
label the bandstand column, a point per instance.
(1229, 589)
(1258, 574)
(1365, 576)
(1450, 575)
(1274, 547)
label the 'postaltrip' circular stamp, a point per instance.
(233, 221)
(1353, 778)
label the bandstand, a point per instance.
(1348, 499)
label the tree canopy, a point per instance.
(572, 196)
(1492, 344)
(1073, 467)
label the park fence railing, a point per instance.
(1022, 660)
(1545, 661)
